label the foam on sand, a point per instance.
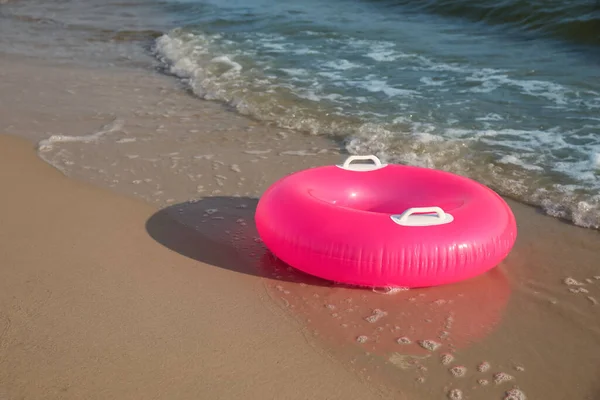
(48, 144)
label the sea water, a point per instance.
(506, 93)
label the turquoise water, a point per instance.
(506, 92)
(514, 103)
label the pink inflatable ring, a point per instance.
(385, 225)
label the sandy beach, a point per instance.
(138, 275)
(91, 307)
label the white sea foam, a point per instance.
(310, 95)
(491, 80)
(512, 159)
(383, 55)
(490, 117)
(234, 68)
(331, 75)
(48, 144)
(277, 47)
(295, 71)
(375, 85)
(340, 64)
(425, 137)
(428, 149)
(426, 80)
(303, 51)
(502, 148)
(595, 159)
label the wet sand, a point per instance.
(102, 294)
(530, 325)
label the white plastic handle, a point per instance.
(362, 167)
(349, 160)
(413, 217)
(422, 210)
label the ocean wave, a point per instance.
(553, 167)
(577, 21)
(509, 175)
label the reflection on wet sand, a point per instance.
(392, 324)
(406, 342)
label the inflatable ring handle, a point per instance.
(350, 159)
(439, 217)
(437, 210)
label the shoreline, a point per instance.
(91, 307)
(140, 133)
(151, 151)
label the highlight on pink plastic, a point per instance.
(385, 224)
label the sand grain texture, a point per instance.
(92, 308)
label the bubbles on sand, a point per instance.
(403, 340)
(578, 290)
(411, 337)
(389, 290)
(376, 316)
(473, 374)
(455, 394)
(483, 367)
(458, 371)
(514, 394)
(579, 287)
(446, 358)
(47, 144)
(572, 282)
(430, 345)
(362, 339)
(502, 377)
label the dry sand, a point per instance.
(105, 296)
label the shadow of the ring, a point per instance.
(220, 231)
